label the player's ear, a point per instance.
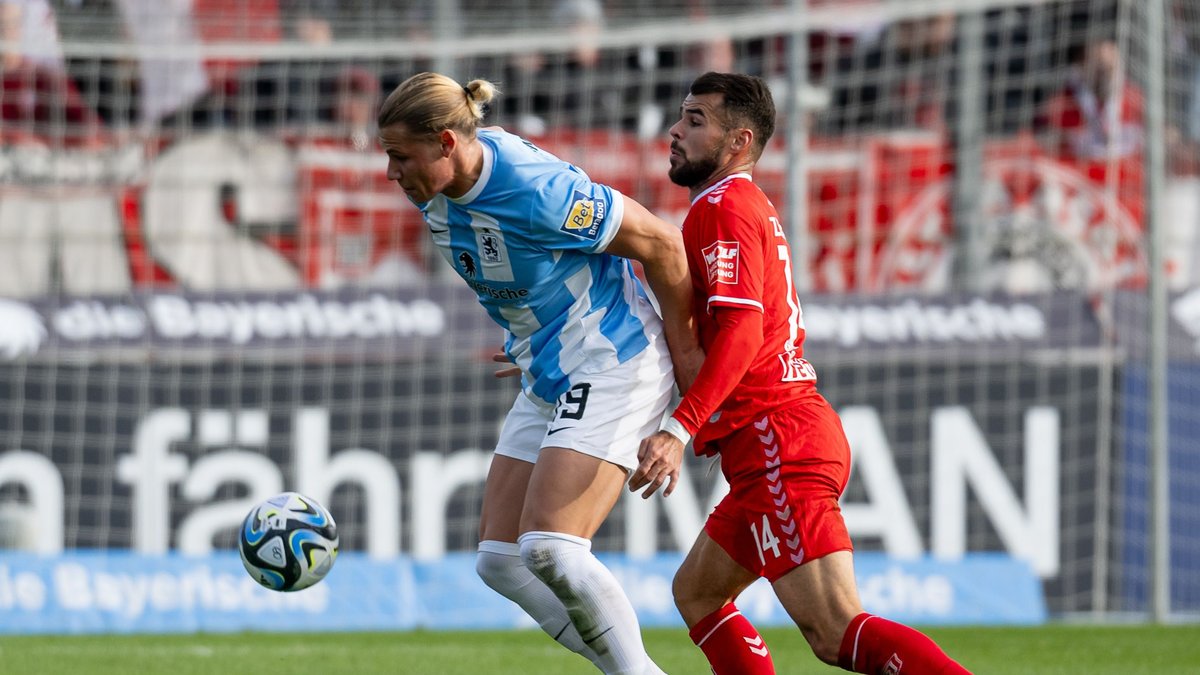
(448, 140)
(742, 140)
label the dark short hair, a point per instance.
(747, 103)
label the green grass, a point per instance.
(1044, 650)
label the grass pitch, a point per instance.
(1042, 650)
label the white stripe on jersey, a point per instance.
(582, 340)
(521, 322)
(733, 301)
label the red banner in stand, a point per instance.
(879, 211)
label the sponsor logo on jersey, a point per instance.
(585, 216)
(498, 293)
(721, 257)
(796, 369)
(468, 263)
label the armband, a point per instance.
(675, 428)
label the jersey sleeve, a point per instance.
(570, 212)
(739, 337)
(730, 247)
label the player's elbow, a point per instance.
(667, 254)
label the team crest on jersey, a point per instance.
(585, 216)
(489, 247)
(721, 257)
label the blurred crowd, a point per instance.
(868, 76)
(1065, 75)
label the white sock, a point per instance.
(499, 565)
(594, 600)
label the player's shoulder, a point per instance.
(732, 196)
(731, 190)
(745, 189)
(520, 160)
(498, 137)
(515, 148)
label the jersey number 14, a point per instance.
(767, 541)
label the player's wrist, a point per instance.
(675, 428)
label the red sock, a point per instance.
(732, 644)
(876, 646)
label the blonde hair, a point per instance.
(427, 103)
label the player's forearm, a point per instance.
(733, 349)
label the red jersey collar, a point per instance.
(721, 182)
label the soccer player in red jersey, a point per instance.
(754, 401)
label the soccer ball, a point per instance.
(288, 542)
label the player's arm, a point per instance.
(658, 246)
(737, 341)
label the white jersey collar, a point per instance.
(721, 182)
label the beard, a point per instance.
(691, 173)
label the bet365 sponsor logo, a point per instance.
(585, 216)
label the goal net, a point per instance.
(209, 292)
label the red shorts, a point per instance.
(786, 472)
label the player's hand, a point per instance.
(510, 370)
(659, 458)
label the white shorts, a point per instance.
(605, 415)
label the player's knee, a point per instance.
(825, 647)
(538, 558)
(824, 639)
(693, 609)
(684, 589)
(549, 555)
(693, 598)
(499, 565)
(491, 568)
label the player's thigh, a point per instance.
(504, 499)
(707, 579)
(508, 478)
(570, 492)
(821, 595)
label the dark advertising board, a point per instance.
(152, 423)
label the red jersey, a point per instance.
(739, 258)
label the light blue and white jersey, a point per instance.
(528, 239)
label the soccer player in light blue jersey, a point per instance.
(548, 253)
